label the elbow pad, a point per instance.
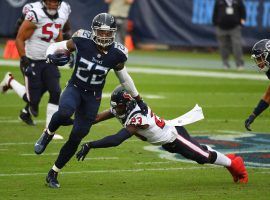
(127, 82)
(55, 46)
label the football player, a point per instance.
(151, 128)
(96, 54)
(261, 56)
(42, 25)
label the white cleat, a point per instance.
(4, 85)
(57, 137)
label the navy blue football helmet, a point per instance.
(121, 102)
(103, 29)
(260, 54)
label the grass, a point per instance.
(129, 171)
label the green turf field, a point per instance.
(129, 171)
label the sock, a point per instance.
(222, 159)
(17, 87)
(56, 169)
(51, 109)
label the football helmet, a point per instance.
(103, 29)
(51, 6)
(121, 102)
(260, 54)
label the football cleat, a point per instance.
(26, 117)
(42, 142)
(238, 169)
(5, 83)
(234, 175)
(51, 179)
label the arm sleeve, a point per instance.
(54, 46)
(112, 140)
(127, 81)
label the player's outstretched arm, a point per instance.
(105, 115)
(128, 84)
(261, 106)
(106, 142)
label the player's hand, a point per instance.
(59, 59)
(24, 63)
(80, 155)
(249, 121)
(143, 106)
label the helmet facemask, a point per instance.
(122, 104)
(51, 6)
(103, 35)
(118, 110)
(261, 61)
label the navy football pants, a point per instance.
(84, 105)
(190, 148)
(46, 78)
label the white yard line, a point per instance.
(113, 171)
(176, 72)
(154, 163)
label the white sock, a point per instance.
(51, 109)
(56, 169)
(17, 87)
(222, 159)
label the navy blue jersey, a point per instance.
(91, 66)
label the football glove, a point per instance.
(24, 64)
(249, 121)
(143, 106)
(59, 59)
(80, 155)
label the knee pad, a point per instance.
(54, 97)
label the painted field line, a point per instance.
(176, 72)
(54, 142)
(154, 163)
(112, 171)
(103, 158)
(205, 120)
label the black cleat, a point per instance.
(42, 142)
(51, 179)
(26, 118)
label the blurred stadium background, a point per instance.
(175, 64)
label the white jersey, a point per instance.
(47, 29)
(158, 131)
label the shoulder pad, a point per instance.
(65, 7)
(137, 120)
(27, 7)
(121, 48)
(82, 34)
(31, 16)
